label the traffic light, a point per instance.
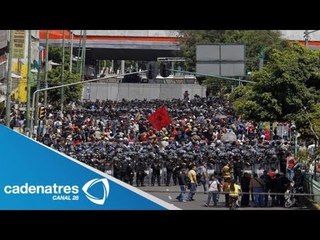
(164, 70)
(151, 71)
(42, 113)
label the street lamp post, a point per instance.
(28, 84)
(9, 79)
(40, 48)
(62, 72)
(46, 68)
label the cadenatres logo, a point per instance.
(64, 192)
(105, 186)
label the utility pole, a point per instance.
(71, 51)
(306, 38)
(62, 71)
(28, 82)
(46, 68)
(83, 54)
(38, 81)
(78, 59)
(9, 80)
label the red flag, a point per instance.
(160, 118)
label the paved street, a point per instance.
(170, 193)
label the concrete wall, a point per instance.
(130, 91)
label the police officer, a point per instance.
(169, 167)
(129, 174)
(156, 167)
(140, 170)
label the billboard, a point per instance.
(18, 43)
(221, 59)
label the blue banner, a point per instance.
(36, 177)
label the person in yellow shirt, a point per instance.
(226, 189)
(234, 193)
(226, 171)
(194, 183)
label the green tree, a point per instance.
(284, 90)
(55, 55)
(312, 126)
(71, 93)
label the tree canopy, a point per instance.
(71, 93)
(284, 90)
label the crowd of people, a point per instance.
(204, 133)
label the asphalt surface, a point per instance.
(169, 194)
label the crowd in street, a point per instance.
(204, 133)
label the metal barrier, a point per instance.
(312, 187)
